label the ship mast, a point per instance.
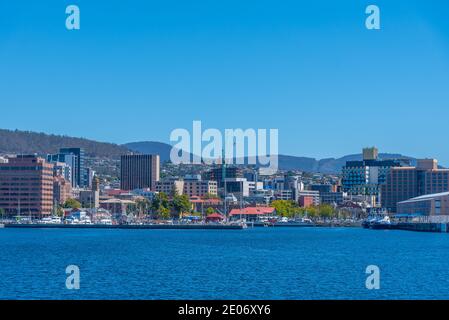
(223, 177)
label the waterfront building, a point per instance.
(427, 205)
(139, 171)
(252, 213)
(367, 176)
(26, 186)
(403, 183)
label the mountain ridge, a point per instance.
(286, 162)
(29, 142)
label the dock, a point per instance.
(127, 226)
(424, 227)
(413, 226)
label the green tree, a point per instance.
(72, 203)
(161, 206)
(312, 212)
(164, 213)
(59, 211)
(181, 204)
(326, 211)
(285, 208)
(210, 211)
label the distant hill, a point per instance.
(330, 165)
(26, 142)
(151, 147)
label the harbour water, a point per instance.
(256, 263)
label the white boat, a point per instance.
(106, 221)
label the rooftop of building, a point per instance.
(115, 200)
(426, 197)
(253, 210)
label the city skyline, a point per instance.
(239, 65)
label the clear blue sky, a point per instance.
(138, 69)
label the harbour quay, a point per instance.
(129, 226)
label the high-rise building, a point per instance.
(366, 177)
(410, 182)
(70, 160)
(81, 170)
(139, 171)
(26, 186)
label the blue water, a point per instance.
(259, 263)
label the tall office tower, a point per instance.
(72, 161)
(366, 177)
(139, 171)
(82, 180)
(409, 182)
(26, 186)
